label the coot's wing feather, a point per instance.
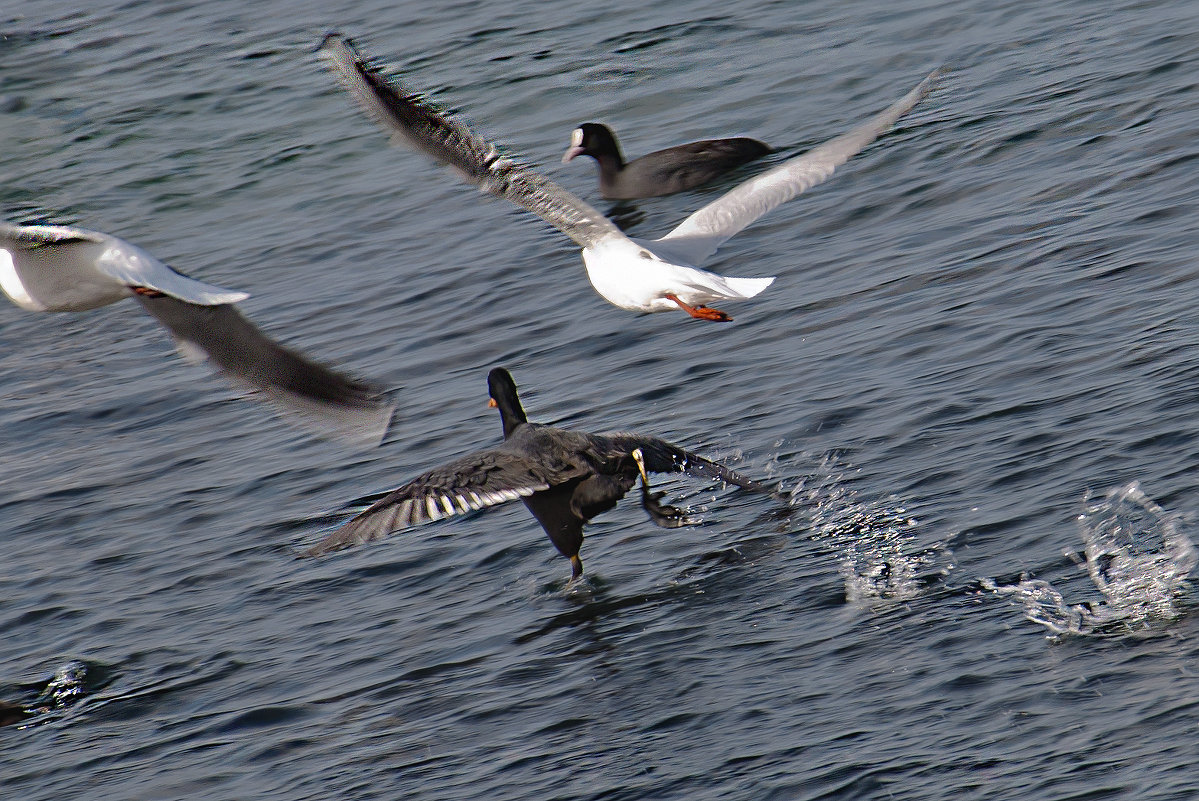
(665, 457)
(708, 158)
(476, 481)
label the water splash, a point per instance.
(69, 685)
(1136, 558)
(877, 543)
(66, 687)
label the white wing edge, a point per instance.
(698, 236)
(384, 519)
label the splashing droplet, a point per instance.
(877, 544)
(1136, 558)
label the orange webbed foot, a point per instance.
(700, 312)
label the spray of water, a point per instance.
(1136, 558)
(877, 545)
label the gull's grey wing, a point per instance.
(423, 127)
(325, 399)
(698, 236)
(53, 268)
(476, 481)
(665, 457)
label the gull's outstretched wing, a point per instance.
(324, 399)
(64, 268)
(698, 236)
(423, 127)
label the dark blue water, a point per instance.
(982, 319)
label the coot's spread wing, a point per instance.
(423, 127)
(665, 457)
(476, 481)
(698, 236)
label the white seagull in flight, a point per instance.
(635, 274)
(58, 268)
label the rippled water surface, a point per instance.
(981, 327)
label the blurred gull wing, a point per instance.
(324, 399)
(63, 268)
(698, 236)
(423, 127)
(55, 268)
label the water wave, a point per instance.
(73, 682)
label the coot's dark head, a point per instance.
(595, 140)
(502, 391)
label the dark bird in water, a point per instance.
(11, 714)
(663, 172)
(565, 478)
